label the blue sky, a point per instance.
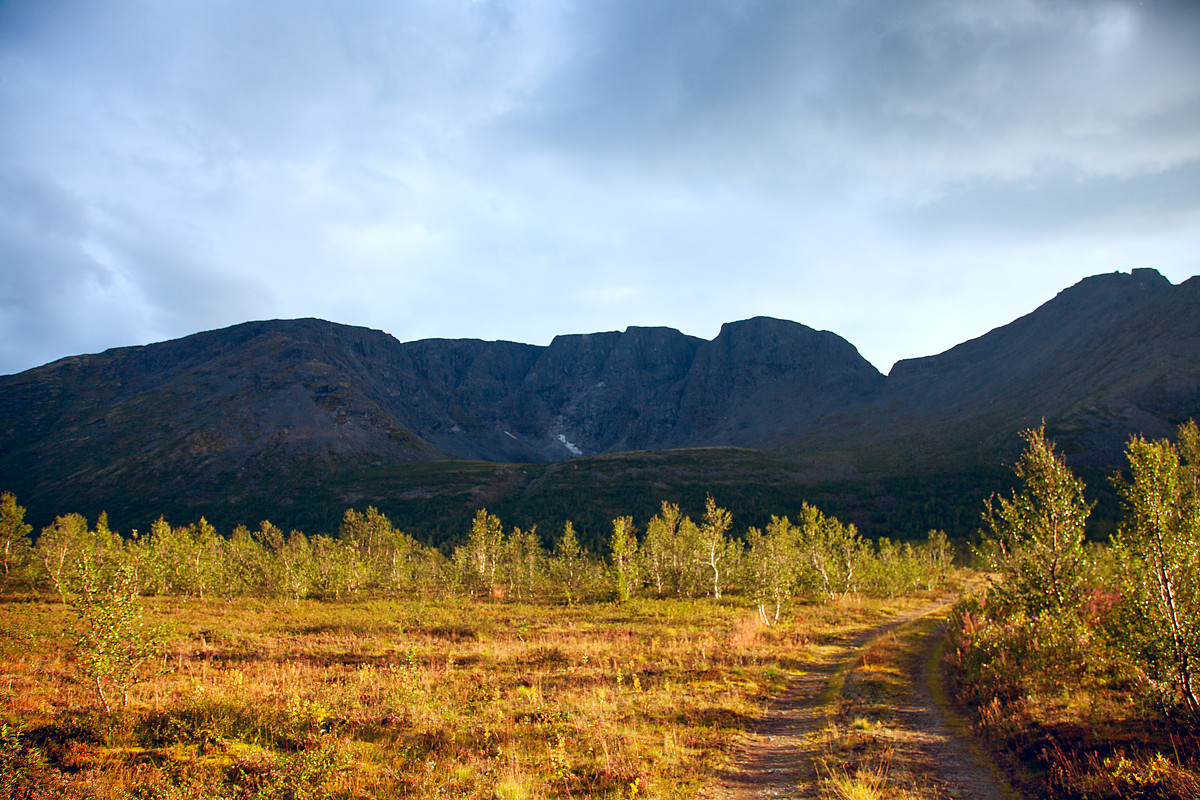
(908, 175)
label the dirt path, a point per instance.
(864, 710)
(938, 745)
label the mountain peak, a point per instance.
(1111, 287)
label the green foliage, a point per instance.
(479, 559)
(677, 557)
(772, 561)
(1158, 547)
(568, 565)
(1069, 639)
(687, 568)
(1030, 627)
(623, 547)
(115, 643)
(658, 552)
(299, 568)
(938, 558)
(524, 562)
(205, 561)
(897, 569)
(1001, 656)
(189, 560)
(1036, 537)
(23, 772)
(830, 554)
(250, 571)
(79, 559)
(822, 558)
(16, 552)
(391, 560)
(57, 547)
(716, 553)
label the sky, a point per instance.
(908, 175)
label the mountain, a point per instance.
(300, 413)
(1113, 355)
(247, 404)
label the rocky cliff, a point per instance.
(309, 394)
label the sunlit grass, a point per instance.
(413, 698)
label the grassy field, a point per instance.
(404, 698)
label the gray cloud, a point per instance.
(520, 169)
(953, 89)
(53, 287)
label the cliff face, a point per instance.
(269, 395)
(764, 381)
(1112, 355)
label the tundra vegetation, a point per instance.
(181, 662)
(1079, 660)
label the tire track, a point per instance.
(830, 714)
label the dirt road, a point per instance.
(863, 711)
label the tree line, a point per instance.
(812, 558)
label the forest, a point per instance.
(256, 663)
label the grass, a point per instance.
(406, 698)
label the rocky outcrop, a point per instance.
(764, 381)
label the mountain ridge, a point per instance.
(308, 399)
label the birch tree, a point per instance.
(1159, 547)
(15, 549)
(524, 557)
(568, 564)
(773, 559)
(624, 548)
(658, 546)
(1036, 536)
(716, 552)
(829, 553)
(480, 557)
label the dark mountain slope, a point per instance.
(179, 417)
(762, 381)
(608, 391)
(1113, 355)
(271, 402)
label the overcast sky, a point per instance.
(908, 175)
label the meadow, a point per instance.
(185, 663)
(420, 698)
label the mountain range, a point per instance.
(299, 405)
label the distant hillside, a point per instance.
(299, 414)
(1113, 355)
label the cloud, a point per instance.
(522, 169)
(59, 294)
(941, 90)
